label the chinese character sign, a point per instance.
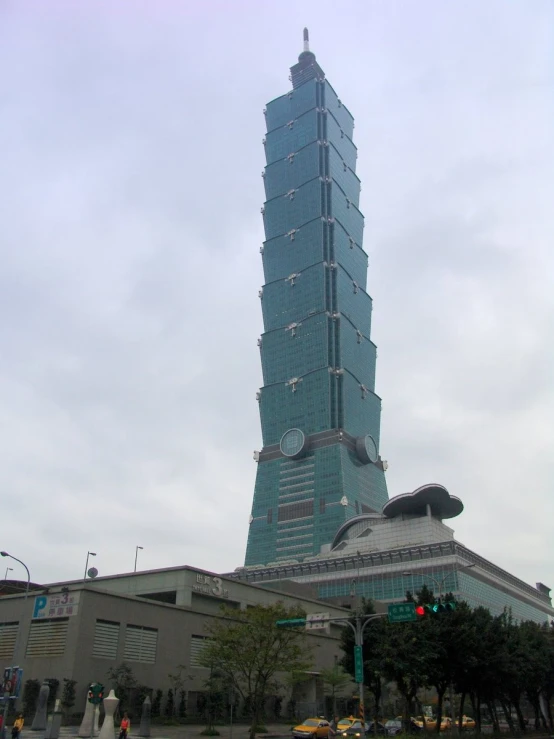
(58, 605)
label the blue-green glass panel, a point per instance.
(357, 354)
(347, 214)
(344, 176)
(292, 300)
(362, 409)
(353, 302)
(339, 110)
(291, 211)
(307, 409)
(287, 107)
(349, 255)
(294, 352)
(284, 255)
(342, 143)
(287, 174)
(291, 137)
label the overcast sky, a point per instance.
(130, 196)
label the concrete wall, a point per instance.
(176, 624)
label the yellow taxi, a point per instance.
(425, 722)
(346, 723)
(312, 728)
(468, 723)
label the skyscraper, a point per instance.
(320, 463)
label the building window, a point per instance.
(8, 636)
(322, 505)
(290, 511)
(47, 638)
(140, 644)
(270, 515)
(106, 638)
(197, 644)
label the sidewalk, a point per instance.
(239, 731)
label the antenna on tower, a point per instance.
(306, 40)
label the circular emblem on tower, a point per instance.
(293, 443)
(366, 449)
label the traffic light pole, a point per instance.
(358, 628)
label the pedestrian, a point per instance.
(333, 727)
(17, 726)
(124, 727)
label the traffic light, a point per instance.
(433, 609)
(95, 693)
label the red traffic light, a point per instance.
(420, 610)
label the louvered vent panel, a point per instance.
(140, 644)
(197, 644)
(106, 637)
(8, 636)
(47, 638)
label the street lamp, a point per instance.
(89, 554)
(439, 583)
(5, 554)
(136, 555)
(8, 569)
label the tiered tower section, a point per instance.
(320, 416)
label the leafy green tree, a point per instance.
(68, 694)
(182, 704)
(123, 682)
(250, 650)
(336, 679)
(170, 704)
(30, 697)
(156, 709)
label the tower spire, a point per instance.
(306, 40)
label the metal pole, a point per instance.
(136, 556)
(17, 639)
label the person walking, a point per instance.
(17, 726)
(124, 727)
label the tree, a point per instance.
(250, 650)
(68, 694)
(335, 678)
(170, 704)
(123, 682)
(177, 681)
(30, 696)
(156, 709)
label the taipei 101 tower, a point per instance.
(320, 463)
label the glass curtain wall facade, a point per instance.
(320, 416)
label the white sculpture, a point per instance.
(108, 729)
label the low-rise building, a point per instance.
(153, 621)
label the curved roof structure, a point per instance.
(442, 504)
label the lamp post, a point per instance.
(136, 556)
(8, 569)
(89, 554)
(18, 637)
(5, 554)
(439, 583)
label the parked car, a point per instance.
(394, 726)
(346, 723)
(468, 723)
(376, 728)
(312, 728)
(351, 727)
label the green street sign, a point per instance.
(400, 612)
(291, 623)
(358, 665)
